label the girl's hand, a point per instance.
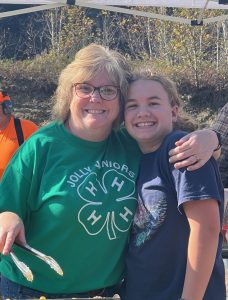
(194, 150)
(11, 230)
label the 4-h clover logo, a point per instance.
(110, 204)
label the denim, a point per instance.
(12, 290)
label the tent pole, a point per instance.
(200, 18)
(29, 10)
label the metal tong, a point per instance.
(25, 269)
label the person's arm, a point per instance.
(204, 222)
(11, 230)
(195, 149)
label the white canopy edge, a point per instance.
(135, 12)
(108, 5)
(212, 4)
(33, 2)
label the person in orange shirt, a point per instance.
(10, 138)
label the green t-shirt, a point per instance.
(76, 199)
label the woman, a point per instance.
(73, 194)
(176, 242)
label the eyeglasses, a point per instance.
(106, 92)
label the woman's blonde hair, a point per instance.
(184, 121)
(88, 62)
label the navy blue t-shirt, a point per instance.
(157, 255)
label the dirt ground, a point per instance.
(38, 111)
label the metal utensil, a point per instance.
(25, 269)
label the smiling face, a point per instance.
(92, 118)
(149, 115)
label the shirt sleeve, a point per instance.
(201, 184)
(204, 183)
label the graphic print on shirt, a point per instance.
(99, 211)
(149, 216)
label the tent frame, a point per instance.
(50, 4)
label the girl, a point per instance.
(175, 247)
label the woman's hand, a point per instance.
(194, 149)
(11, 230)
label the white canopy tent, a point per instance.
(117, 6)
